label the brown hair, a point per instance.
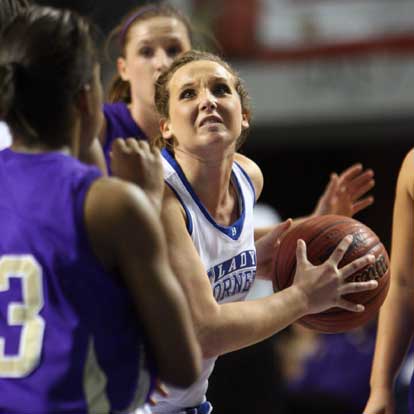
(10, 9)
(40, 75)
(119, 90)
(162, 94)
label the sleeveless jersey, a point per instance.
(227, 252)
(5, 136)
(69, 341)
(119, 124)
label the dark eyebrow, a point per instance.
(219, 78)
(172, 38)
(215, 79)
(186, 85)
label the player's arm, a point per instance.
(126, 235)
(395, 326)
(102, 132)
(228, 327)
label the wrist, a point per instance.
(300, 299)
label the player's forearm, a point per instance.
(93, 155)
(262, 231)
(393, 336)
(241, 324)
(171, 329)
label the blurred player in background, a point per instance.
(85, 282)
(147, 39)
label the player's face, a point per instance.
(204, 108)
(151, 47)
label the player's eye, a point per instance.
(174, 50)
(187, 93)
(221, 89)
(146, 51)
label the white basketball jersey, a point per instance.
(228, 254)
(5, 136)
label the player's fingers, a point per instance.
(157, 154)
(132, 144)
(352, 307)
(350, 172)
(118, 146)
(361, 189)
(162, 389)
(276, 247)
(281, 228)
(341, 249)
(355, 287)
(144, 146)
(152, 401)
(356, 265)
(332, 186)
(301, 255)
(361, 204)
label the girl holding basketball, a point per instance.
(207, 216)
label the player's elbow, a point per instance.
(210, 343)
(209, 349)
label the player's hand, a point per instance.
(137, 162)
(324, 285)
(266, 249)
(160, 389)
(380, 402)
(346, 194)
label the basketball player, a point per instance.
(208, 218)
(85, 283)
(395, 326)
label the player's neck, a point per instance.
(20, 145)
(146, 118)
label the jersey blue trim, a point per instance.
(234, 230)
(249, 180)
(187, 212)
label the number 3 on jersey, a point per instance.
(25, 314)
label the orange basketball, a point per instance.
(321, 235)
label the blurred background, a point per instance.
(331, 85)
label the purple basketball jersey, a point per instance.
(119, 124)
(69, 341)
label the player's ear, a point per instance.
(122, 69)
(84, 101)
(245, 120)
(165, 128)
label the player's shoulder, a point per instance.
(406, 175)
(252, 170)
(116, 197)
(171, 202)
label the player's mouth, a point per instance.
(210, 120)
